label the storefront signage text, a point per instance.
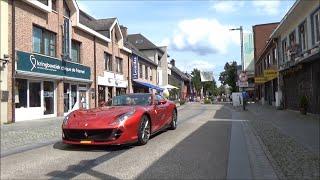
(47, 65)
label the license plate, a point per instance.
(85, 142)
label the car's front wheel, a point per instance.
(173, 124)
(144, 130)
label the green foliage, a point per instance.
(229, 76)
(304, 101)
(210, 87)
(196, 80)
(221, 90)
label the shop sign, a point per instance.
(270, 74)
(47, 65)
(260, 80)
(134, 67)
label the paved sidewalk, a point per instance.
(291, 140)
(24, 135)
(302, 128)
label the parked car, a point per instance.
(130, 118)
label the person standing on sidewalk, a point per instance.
(244, 99)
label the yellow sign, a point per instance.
(270, 74)
(260, 80)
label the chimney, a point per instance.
(124, 31)
(173, 62)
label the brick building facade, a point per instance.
(59, 63)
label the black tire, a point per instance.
(173, 124)
(144, 130)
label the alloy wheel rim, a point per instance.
(174, 119)
(146, 131)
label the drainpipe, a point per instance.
(13, 41)
(95, 71)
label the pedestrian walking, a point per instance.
(244, 99)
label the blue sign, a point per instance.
(134, 67)
(43, 64)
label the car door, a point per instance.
(159, 111)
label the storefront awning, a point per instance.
(151, 86)
(169, 87)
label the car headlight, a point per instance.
(122, 119)
(65, 120)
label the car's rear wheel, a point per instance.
(173, 124)
(144, 130)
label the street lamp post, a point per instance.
(241, 45)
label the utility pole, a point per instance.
(241, 44)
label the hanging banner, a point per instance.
(134, 67)
(270, 74)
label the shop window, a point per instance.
(21, 93)
(119, 62)
(34, 94)
(147, 72)
(44, 42)
(303, 36)
(73, 95)
(101, 94)
(48, 94)
(108, 62)
(66, 97)
(75, 51)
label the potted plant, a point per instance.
(303, 104)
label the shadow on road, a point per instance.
(201, 155)
(223, 113)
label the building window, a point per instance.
(34, 94)
(66, 10)
(150, 74)
(101, 95)
(292, 38)
(119, 62)
(45, 2)
(54, 5)
(274, 56)
(146, 72)
(21, 86)
(75, 52)
(48, 95)
(44, 42)
(269, 60)
(316, 26)
(303, 36)
(284, 50)
(140, 70)
(108, 62)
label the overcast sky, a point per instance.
(196, 32)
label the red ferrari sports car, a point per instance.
(130, 118)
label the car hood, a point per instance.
(97, 117)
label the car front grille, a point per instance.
(94, 135)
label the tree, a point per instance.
(196, 80)
(229, 76)
(210, 87)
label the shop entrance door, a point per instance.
(83, 98)
(70, 97)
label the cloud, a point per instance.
(226, 6)
(202, 36)
(199, 64)
(84, 7)
(269, 7)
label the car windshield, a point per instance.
(131, 99)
